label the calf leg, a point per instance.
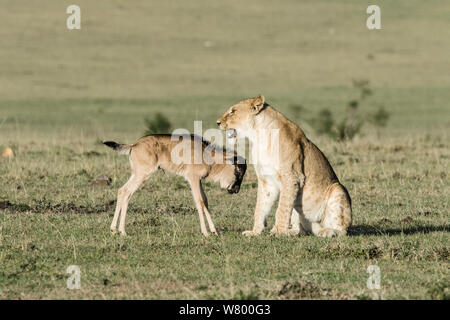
(120, 199)
(125, 193)
(212, 228)
(199, 204)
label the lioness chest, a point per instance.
(318, 177)
(269, 175)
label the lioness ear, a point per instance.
(258, 103)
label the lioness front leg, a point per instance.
(288, 195)
(266, 196)
(296, 226)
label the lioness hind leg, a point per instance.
(338, 214)
(329, 233)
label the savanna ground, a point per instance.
(61, 92)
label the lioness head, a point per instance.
(240, 117)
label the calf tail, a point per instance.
(121, 148)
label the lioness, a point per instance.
(154, 152)
(310, 195)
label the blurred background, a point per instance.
(191, 60)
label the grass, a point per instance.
(64, 91)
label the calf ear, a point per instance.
(258, 103)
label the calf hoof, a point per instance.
(250, 233)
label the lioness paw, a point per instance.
(293, 232)
(279, 231)
(328, 233)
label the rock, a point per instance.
(102, 180)
(408, 219)
(385, 220)
(7, 153)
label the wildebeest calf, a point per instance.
(192, 158)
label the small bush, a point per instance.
(363, 86)
(440, 291)
(301, 290)
(352, 122)
(345, 129)
(380, 117)
(250, 295)
(348, 128)
(158, 124)
(296, 110)
(324, 123)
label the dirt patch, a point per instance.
(441, 253)
(90, 154)
(373, 253)
(9, 207)
(426, 213)
(73, 208)
(336, 251)
(302, 290)
(45, 206)
(440, 291)
(407, 220)
(396, 175)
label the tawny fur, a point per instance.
(154, 152)
(311, 198)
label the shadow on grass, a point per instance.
(45, 206)
(360, 230)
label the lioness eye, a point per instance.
(232, 111)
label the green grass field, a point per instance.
(62, 91)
